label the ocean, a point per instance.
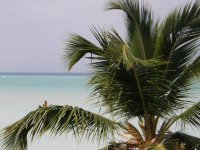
(19, 94)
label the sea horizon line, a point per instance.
(45, 73)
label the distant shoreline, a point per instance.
(45, 73)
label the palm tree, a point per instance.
(145, 76)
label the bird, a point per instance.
(45, 104)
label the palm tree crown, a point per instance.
(146, 75)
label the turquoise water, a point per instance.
(43, 82)
(19, 94)
(37, 88)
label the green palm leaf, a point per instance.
(177, 39)
(177, 139)
(191, 116)
(58, 120)
(78, 47)
(140, 26)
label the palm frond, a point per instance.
(140, 26)
(77, 48)
(178, 139)
(114, 61)
(191, 73)
(177, 21)
(182, 85)
(134, 132)
(115, 146)
(57, 120)
(177, 40)
(178, 44)
(191, 116)
(129, 92)
(157, 147)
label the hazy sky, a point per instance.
(33, 32)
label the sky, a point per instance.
(33, 33)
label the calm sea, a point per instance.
(19, 94)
